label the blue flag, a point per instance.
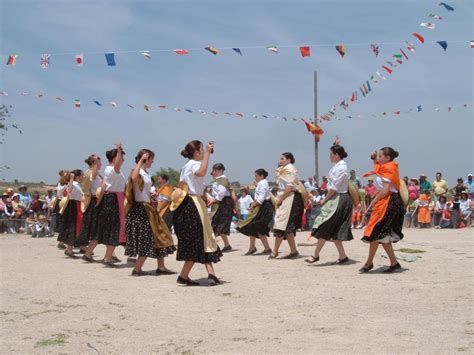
(110, 58)
(419, 108)
(188, 110)
(446, 6)
(97, 103)
(237, 50)
(443, 44)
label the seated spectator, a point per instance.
(423, 207)
(445, 221)
(36, 205)
(455, 213)
(440, 206)
(465, 209)
(10, 214)
(25, 198)
(410, 218)
(30, 223)
(41, 228)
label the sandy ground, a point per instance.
(53, 304)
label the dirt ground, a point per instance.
(53, 304)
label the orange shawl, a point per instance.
(389, 171)
(424, 211)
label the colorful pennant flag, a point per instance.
(404, 54)
(375, 48)
(368, 86)
(380, 75)
(397, 112)
(420, 37)
(97, 103)
(59, 98)
(374, 79)
(399, 56)
(113, 104)
(362, 91)
(240, 114)
(45, 61)
(12, 59)
(3, 93)
(146, 108)
(446, 6)
(77, 103)
(202, 112)
(354, 96)
(388, 70)
(443, 44)
(146, 54)
(435, 16)
(419, 108)
(305, 51)
(472, 43)
(428, 25)
(213, 50)
(237, 50)
(39, 96)
(314, 129)
(162, 106)
(110, 58)
(410, 46)
(188, 110)
(80, 60)
(273, 49)
(341, 48)
(128, 106)
(181, 51)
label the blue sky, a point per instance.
(56, 135)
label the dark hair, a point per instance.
(91, 159)
(191, 148)
(339, 150)
(77, 172)
(262, 172)
(142, 152)
(218, 166)
(438, 173)
(111, 154)
(164, 177)
(443, 197)
(289, 156)
(389, 152)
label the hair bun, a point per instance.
(345, 155)
(396, 154)
(184, 153)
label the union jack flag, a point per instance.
(45, 61)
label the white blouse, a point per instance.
(195, 183)
(60, 191)
(379, 180)
(95, 184)
(76, 193)
(144, 195)
(282, 183)
(338, 177)
(262, 191)
(219, 191)
(113, 182)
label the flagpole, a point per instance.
(316, 158)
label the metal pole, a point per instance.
(316, 158)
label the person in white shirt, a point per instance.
(191, 223)
(111, 210)
(245, 201)
(91, 182)
(222, 205)
(148, 235)
(257, 225)
(56, 217)
(72, 215)
(310, 185)
(334, 222)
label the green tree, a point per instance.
(173, 175)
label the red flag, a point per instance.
(341, 48)
(240, 114)
(181, 51)
(420, 37)
(354, 96)
(314, 129)
(305, 51)
(397, 112)
(387, 69)
(406, 57)
(162, 106)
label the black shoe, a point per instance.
(109, 263)
(89, 259)
(292, 255)
(187, 282)
(138, 273)
(131, 260)
(391, 269)
(226, 248)
(114, 259)
(213, 278)
(81, 251)
(312, 260)
(61, 246)
(164, 272)
(266, 252)
(342, 261)
(251, 251)
(366, 269)
(70, 254)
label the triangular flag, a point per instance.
(354, 96)
(368, 86)
(146, 107)
(446, 6)
(110, 58)
(146, 54)
(381, 75)
(449, 109)
(419, 108)
(375, 48)
(181, 51)
(128, 106)
(12, 59)
(435, 16)
(162, 106)
(77, 103)
(420, 37)
(397, 112)
(273, 49)
(59, 98)
(237, 50)
(45, 60)
(472, 43)
(443, 44)
(410, 46)
(362, 91)
(399, 56)
(341, 48)
(188, 110)
(305, 51)
(97, 103)
(387, 69)
(428, 25)
(213, 50)
(3, 93)
(240, 114)
(80, 60)
(404, 54)
(113, 104)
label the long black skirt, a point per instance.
(338, 226)
(389, 228)
(140, 240)
(108, 221)
(223, 217)
(89, 224)
(188, 228)
(260, 224)
(67, 233)
(57, 219)
(294, 221)
(168, 218)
